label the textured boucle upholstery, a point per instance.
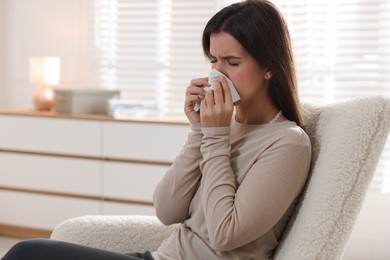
(347, 140)
(123, 234)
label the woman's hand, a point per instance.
(192, 96)
(217, 107)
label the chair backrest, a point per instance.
(347, 141)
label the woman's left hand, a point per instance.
(216, 109)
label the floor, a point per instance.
(6, 243)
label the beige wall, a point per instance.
(1, 55)
(40, 28)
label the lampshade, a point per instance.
(45, 70)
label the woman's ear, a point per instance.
(268, 74)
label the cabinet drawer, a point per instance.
(113, 208)
(143, 141)
(50, 173)
(41, 211)
(131, 181)
(50, 135)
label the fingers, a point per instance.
(194, 90)
(195, 87)
(226, 91)
(218, 93)
(200, 82)
(222, 93)
(209, 99)
(217, 107)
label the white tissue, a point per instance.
(214, 76)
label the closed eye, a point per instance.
(234, 64)
(231, 60)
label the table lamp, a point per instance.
(45, 72)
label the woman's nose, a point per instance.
(218, 66)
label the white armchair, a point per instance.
(347, 140)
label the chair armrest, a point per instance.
(122, 234)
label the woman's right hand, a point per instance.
(192, 96)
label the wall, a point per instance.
(1, 55)
(40, 28)
(372, 230)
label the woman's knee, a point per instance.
(27, 249)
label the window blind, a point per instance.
(152, 49)
(341, 47)
(342, 51)
(149, 49)
(128, 46)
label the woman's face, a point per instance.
(230, 58)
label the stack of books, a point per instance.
(124, 108)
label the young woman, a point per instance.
(234, 184)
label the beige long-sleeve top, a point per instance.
(233, 190)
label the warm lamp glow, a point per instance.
(45, 72)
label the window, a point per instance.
(152, 49)
(342, 51)
(149, 49)
(341, 47)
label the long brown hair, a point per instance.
(261, 29)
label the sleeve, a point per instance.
(236, 216)
(176, 189)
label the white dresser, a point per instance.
(54, 167)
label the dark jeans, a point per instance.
(45, 249)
